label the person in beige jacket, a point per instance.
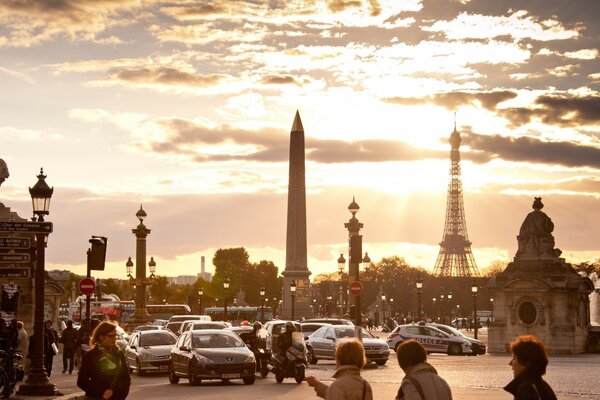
(348, 384)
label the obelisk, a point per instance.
(296, 268)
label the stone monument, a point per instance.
(539, 293)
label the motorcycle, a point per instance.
(11, 371)
(295, 363)
(261, 353)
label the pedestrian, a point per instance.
(529, 363)
(421, 381)
(69, 341)
(348, 384)
(50, 346)
(22, 345)
(103, 373)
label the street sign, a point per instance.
(14, 273)
(14, 258)
(356, 288)
(14, 243)
(87, 286)
(32, 227)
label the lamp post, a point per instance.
(274, 307)
(419, 285)
(293, 293)
(341, 265)
(434, 311)
(492, 301)
(38, 383)
(383, 301)
(200, 294)
(328, 310)
(392, 307)
(314, 307)
(442, 309)
(140, 315)
(449, 298)
(474, 289)
(262, 303)
(355, 253)
(225, 290)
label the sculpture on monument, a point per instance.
(535, 236)
(3, 171)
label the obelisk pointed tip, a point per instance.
(297, 125)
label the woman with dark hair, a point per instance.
(348, 384)
(529, 363)
(103, 373)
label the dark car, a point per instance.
(321, 344)
(149, 351)
(477, 346)
(211, 354)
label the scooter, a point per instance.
(296, 361)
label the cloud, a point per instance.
(558, 110)
(583, 54)
(453, 100)
(30, 22)
(281, 80)
(166, 76)
(533, 150)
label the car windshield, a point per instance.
(216, 340)
(157, 339)
(349, 333)
(451, 330)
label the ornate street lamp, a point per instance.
(419, 285)
(442, 308)
(293, 293)
(383, 302)
(329, 297)
(226, 289)
(474, 289)
(434, 302)
(315, 310)
(492, 302)
(262, 293)
(392, 307)
(355, 252)
(200, 294)
(38, 383)
(341, 266)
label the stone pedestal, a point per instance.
(302, 297)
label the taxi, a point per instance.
(433, 339)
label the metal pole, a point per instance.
(419, 304)
(293, 301)
(262, 309)
(475, 314)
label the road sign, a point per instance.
(14, 258)
(356, 288)
(14, 243)
(32, 227)
(14, 273)
(87, 286)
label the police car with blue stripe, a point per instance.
(433, 339)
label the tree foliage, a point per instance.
(588, 267)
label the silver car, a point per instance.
(321, 344)
(149, 351)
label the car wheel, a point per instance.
(140, 372)
(278, 378)
(264, 371)
(194, 381)
(397, 346)
(380, 362)
(249, 380)
(174, 379)
(311, 356)
(454, 350)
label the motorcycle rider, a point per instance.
(284, 342)
(252, 338)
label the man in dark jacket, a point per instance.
(69, 341)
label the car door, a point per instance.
(316, 340)
(436, 339)
(329, 341)
(177, 356)
(131, 349)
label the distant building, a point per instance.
(182, 280)
(207, 276)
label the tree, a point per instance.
(494, 268)
(257, 275)
(588, 267)
(231, 264)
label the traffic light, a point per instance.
(97, 253)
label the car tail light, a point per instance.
(392, 335)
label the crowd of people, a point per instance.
(103, 373)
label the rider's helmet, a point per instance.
(256, 326)
(289, 326)
(245, 323)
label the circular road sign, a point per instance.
(356, 288)
(87, 286)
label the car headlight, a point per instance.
(147, 355)
(203, 360)
(250, 359)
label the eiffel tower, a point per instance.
(455, 257)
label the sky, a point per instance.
(186, 107)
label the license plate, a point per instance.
(231, 376)
(163, 367)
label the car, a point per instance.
(149, 351)
(332, 321)
(122, 338)
(199, 325)
(433, 339)
(274, 328)
(321, 344)
(477, 346)
(160, 322)
(147, 328)
(308, 328)
(181, 318)
(211, 354)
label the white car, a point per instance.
(433, 339)
(276, 327)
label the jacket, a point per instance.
(432, 385)
(348, 385)
(527, 386)
(69, 339)
(102, 370)
(50, 336)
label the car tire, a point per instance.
(249, 380)
(138, 366)
(454, 350)
(278, 378)
(380, 362)
(194, 381)
(311, 356)
(174, 379)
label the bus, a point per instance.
(166, 311)
(237, 314)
